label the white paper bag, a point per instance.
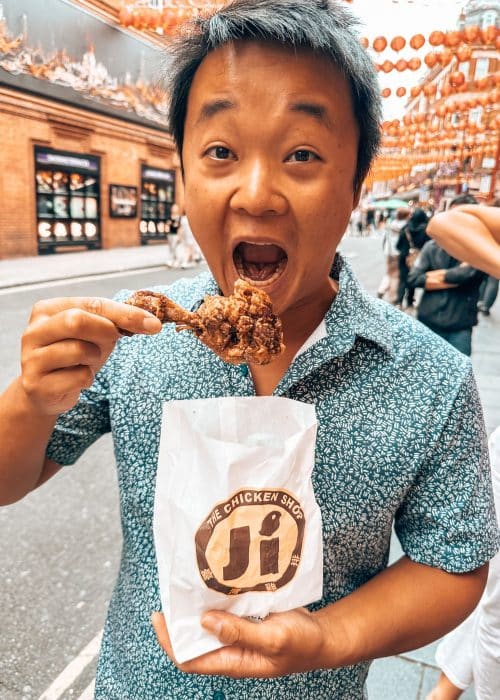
(236, 524)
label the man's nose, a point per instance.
(257, 192)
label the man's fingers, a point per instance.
(266, 637)
(125, 316)
(66, 353)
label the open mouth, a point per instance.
(260, 264)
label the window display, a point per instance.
(67, 199)
(157, 197)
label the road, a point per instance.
(60, 546)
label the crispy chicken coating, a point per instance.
(240, 328)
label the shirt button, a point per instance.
(219, 695)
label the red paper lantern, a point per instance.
(417, 41)
(430, 90)
(126, 17)
(415, 91)
(364, 42)
(401, 65)
(489, 35)
(401, 91)
(414, 63)
(457, 79)
(452, 39)
(386, 92)
(471, 34)
(380, 44)
(445, 57)
(436, 38)
(398, 43)
(464, 53)
(387, 66)
(431, 59)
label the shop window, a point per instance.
(67, 200)
(157, 197)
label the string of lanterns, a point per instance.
(166, 19)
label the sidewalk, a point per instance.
(45, 268)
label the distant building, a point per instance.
(458, 149)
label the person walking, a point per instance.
(411, 240)
(390, 282)
(451, 292)
(488, 295)
(173, 238)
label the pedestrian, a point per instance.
(487, 295)
(411, 240)
(470, 654)
(188, 251)
(448, 305)
(174, 222)
(275, 111)
(390, 282)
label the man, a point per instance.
(451, 292)
(275, 112)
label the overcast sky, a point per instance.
(406, 18)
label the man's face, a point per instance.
(269, 154)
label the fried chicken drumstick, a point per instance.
(240, 328)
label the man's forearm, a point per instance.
(23, 438)
(404, 607)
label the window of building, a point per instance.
(157, 197)
(482, 65)
(67, 200)
(475, 115)
(489, 19)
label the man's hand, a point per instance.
(282, 644)
(67, 342)
(434, 281)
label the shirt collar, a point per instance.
(353, 314)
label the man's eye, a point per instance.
(302, 156)
(219, 153)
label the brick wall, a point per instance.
(27, 120)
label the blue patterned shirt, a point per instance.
(400, 441)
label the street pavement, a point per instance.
(24, 672)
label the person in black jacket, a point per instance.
(411, 240)
(451, 291)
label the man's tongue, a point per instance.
(259, 262)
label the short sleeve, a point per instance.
(79, 427)
(447, 519)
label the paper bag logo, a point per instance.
(251, 542)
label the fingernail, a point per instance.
(151, 324)
(212, 624)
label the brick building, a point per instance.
(86, 158)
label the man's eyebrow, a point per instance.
(210, 109)
(314, 110)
